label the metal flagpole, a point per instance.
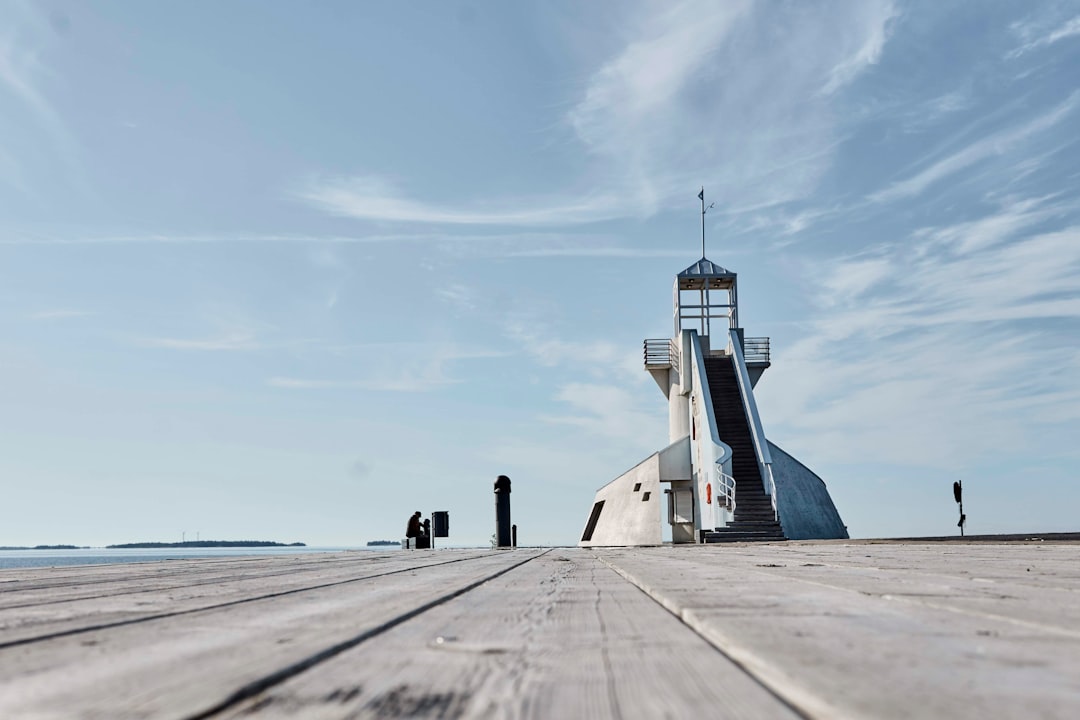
(701, 197)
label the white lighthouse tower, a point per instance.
(719, 478)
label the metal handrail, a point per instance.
(726, 484)
(757, 434)
(712, 455)
(756, 350)
(661, 352)
(772, 490)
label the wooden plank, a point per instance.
(561, 637)
(1012, 583)
(837, 640)
(51, 585)
(140, 598)
(180, 665)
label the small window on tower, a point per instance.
(637, 487)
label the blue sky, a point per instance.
(291, 271)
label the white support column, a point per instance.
(681, 384)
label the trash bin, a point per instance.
(440, 523)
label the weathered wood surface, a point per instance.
(904, 631)
(839, 629)
(561, 637)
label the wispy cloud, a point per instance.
(396, 367)
(941, 356)
(927, 114)
(18, 68)
(598, 252)
(874, 35)
(496, 244)
(849, 279)
(240, 340)
(223, 238)
(597, 356)
(993, 145)
(24, 39)
(60, 314)
(766, 104)
(1015, 215)
(771, 130)
(400, 383)
(1070, 28)
(374, 198)
(458, 295)
(611, 412)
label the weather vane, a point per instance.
(701, 197)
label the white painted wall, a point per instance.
(630, 517)
(679, 392)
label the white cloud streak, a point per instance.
(598, 356)
(229, 342)
(938, 357)
(1068, 29)
(501, 245)
(24, 38)
(374, 198)
(701, 92)
(993, 145)
(766, 105)
(610, 412)
(399, 367)
(400, 383)
(875, 36)
(60, 314)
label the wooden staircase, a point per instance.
(754, 517)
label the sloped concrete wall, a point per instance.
(630, 516)
(675, 461)
(806, 510)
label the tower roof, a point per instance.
(705, 274)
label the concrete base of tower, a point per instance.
(627, 511)
(803, 503)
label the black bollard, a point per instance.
(502, 511)
(513, 536)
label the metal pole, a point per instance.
(962, 517)
(958, 497)
(701, 196)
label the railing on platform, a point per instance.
(756, 350)
(725, 488)
(661, 353)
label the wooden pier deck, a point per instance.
(824, 630)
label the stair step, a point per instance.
(742, 537)
(755, 519)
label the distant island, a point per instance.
(204, 544)
(40, 547)
(383, 542)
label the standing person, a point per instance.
(414, 529)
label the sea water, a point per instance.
(101, 556)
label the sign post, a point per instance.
(958, 495)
